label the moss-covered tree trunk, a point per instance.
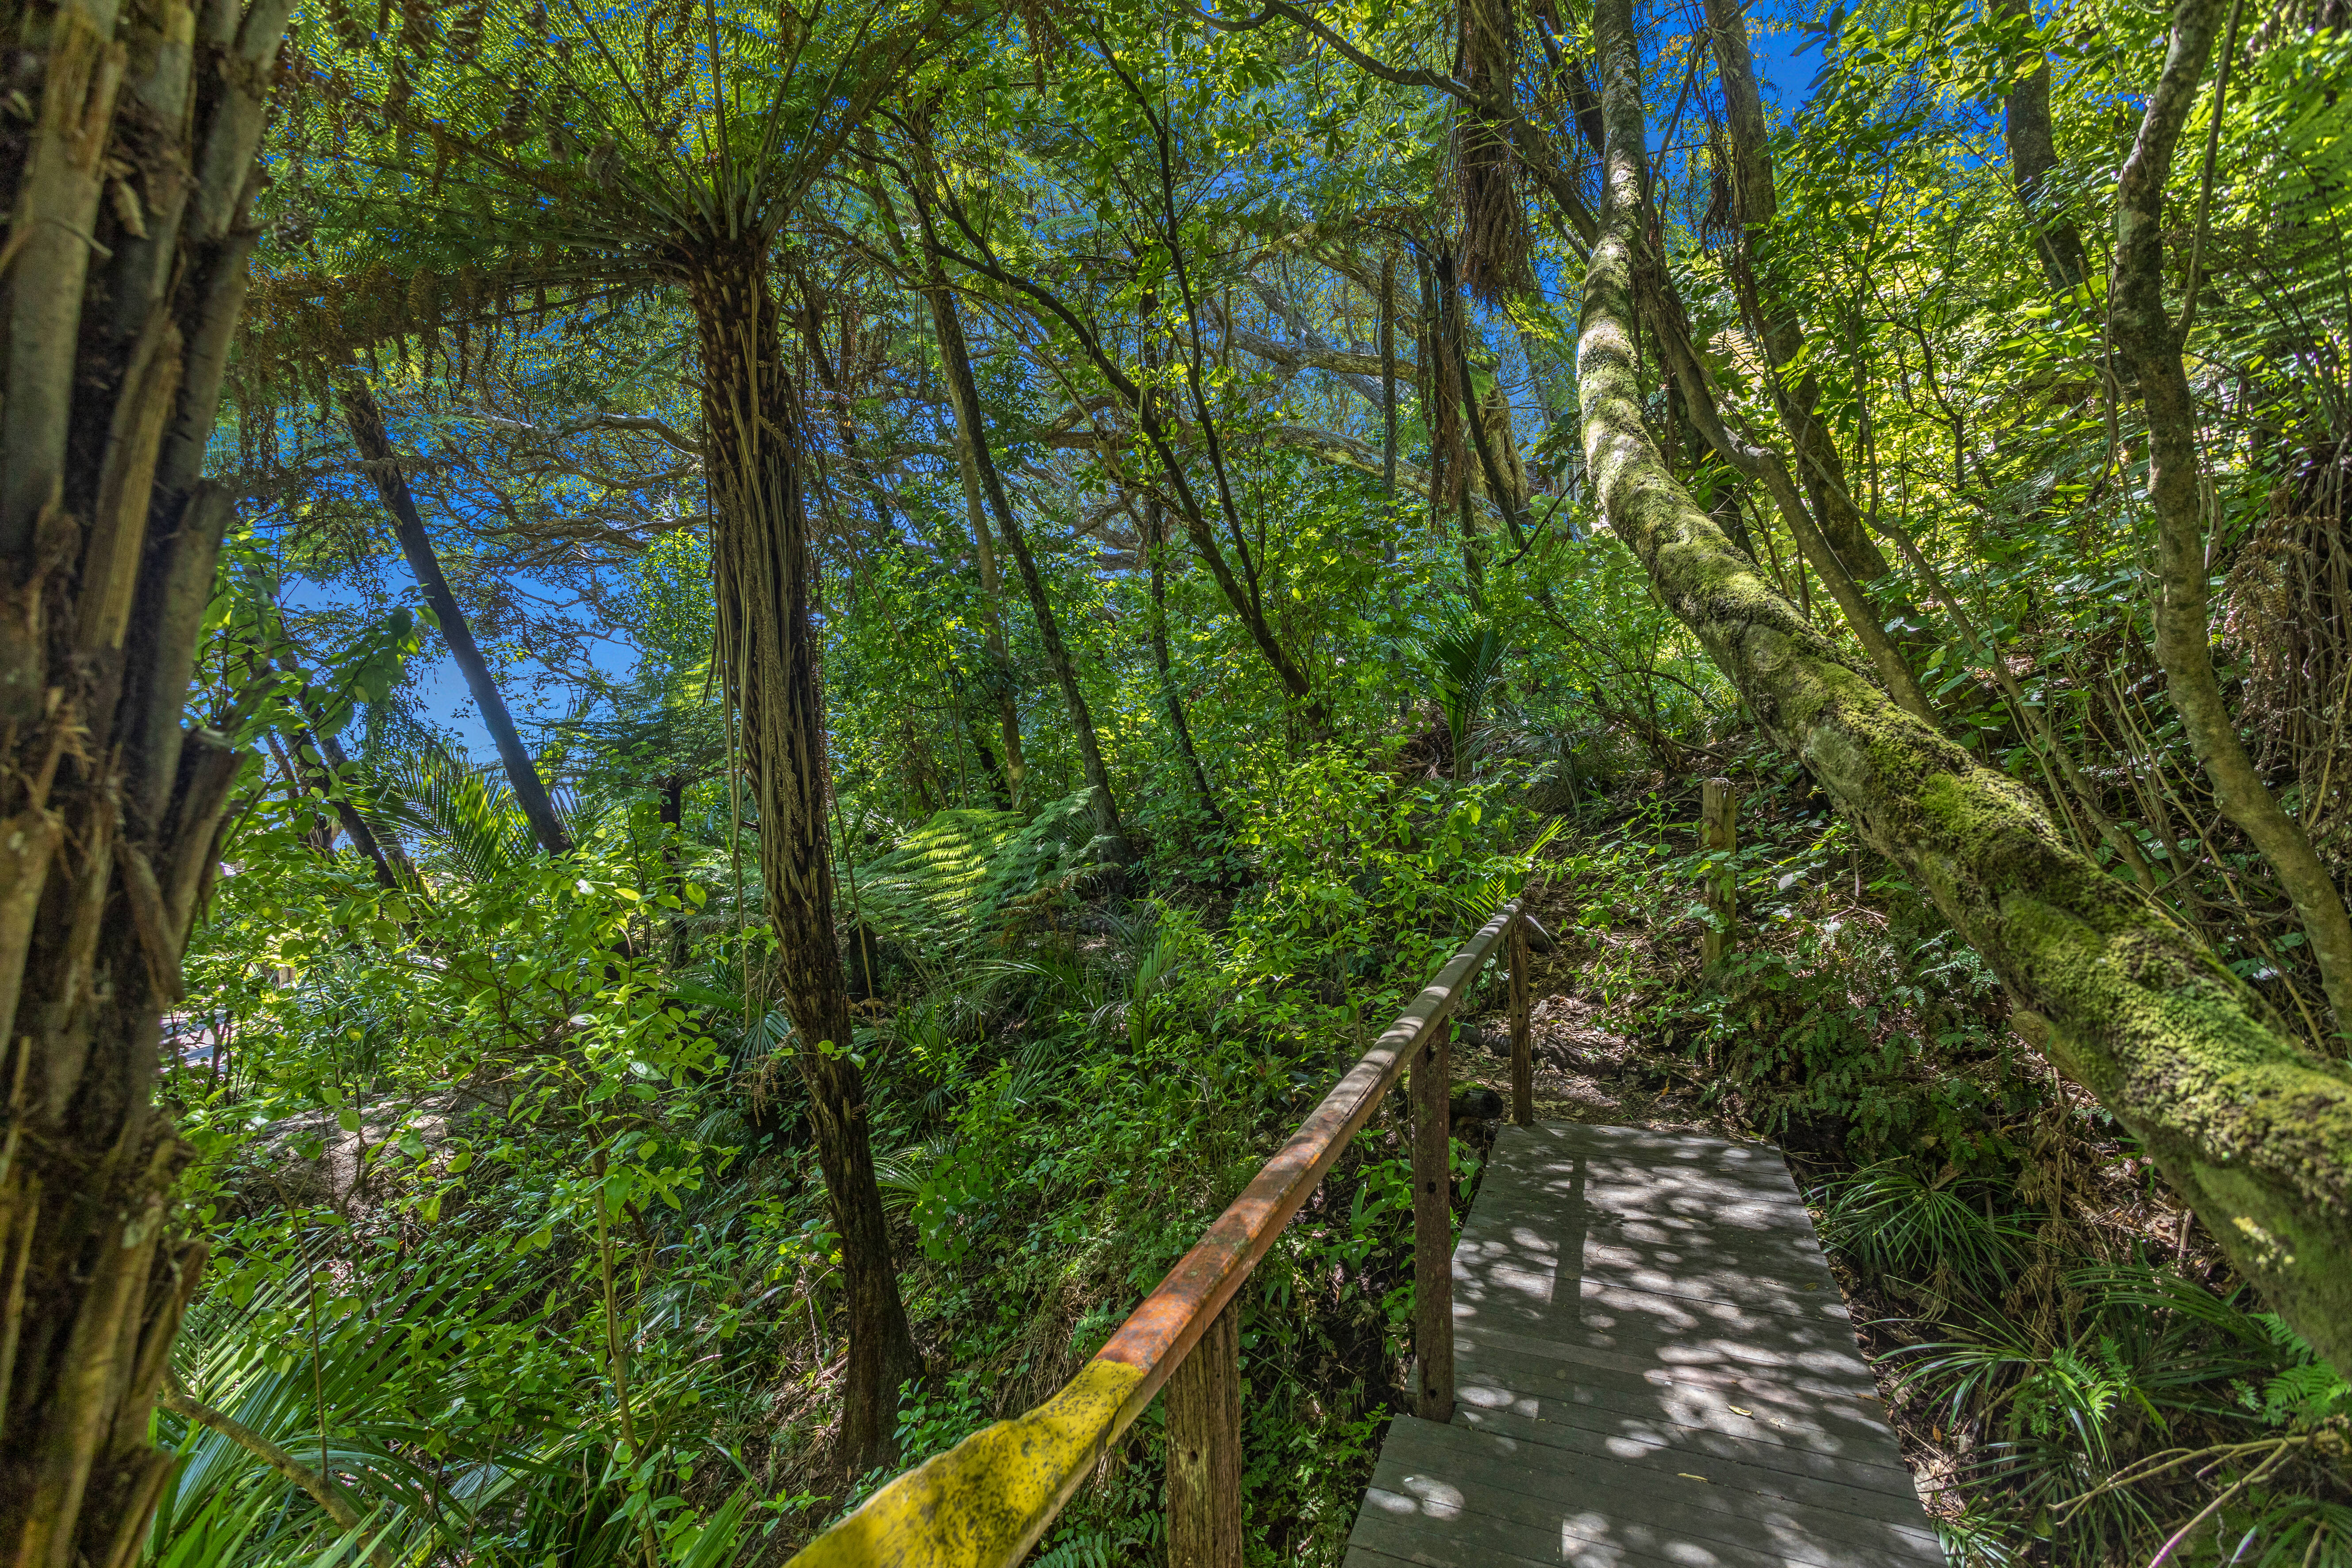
(2247, 1123)
(2150, 343)
(117, 316)
(761, 559)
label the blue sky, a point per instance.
(1786, 57)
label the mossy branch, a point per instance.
(2249, 1124)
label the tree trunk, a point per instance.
(1241, 593)
(1752, 198)
(323, 775)
(2145, 333)
(113, 812)
(1500, 489)
(1820, 470)
(2033, 155)
(963, 392)
(1664, 313)
(2249, 1124)
(1388, 405)
(1003, 689)
(1154, 536)
(1001, 683)
(761, 564)
(365, 420)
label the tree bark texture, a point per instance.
(764, 575)
(2032, 156)
(365, 420)
(2150, 341)
(116, 337)
(2253, 1127)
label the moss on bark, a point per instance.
(2252, 1127)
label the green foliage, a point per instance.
(952, 882)
(442, 1103)
(1887, 1220)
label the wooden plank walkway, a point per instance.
(1654, 1370)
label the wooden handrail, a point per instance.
(986, 1502)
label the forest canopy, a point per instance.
(713, 715)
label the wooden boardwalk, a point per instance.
(1654, 1370)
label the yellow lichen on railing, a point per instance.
(987, 1500)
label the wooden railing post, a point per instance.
(986, 1502)
(1433, 1233)
(1719, 832)
(1204, 1448)
(1523, 1055)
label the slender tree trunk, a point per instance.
(1242, 592)
(311, 823)
(2149, 340)
(110, 812)
(761, 564)
(2246, 1121)
(963, 392)
(325, 768)
(2032, 156)
(1001, 684)
(365, 420)
(1003, 689)
(396, 853)
(1000, 793)
(1500, 489)
(1154, 537)
(1752, 197)
(673, 822)
(1682, 362)
(1388, 411)
(1819, 468)
(324, 778)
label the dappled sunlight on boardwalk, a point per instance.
(1654, 1367)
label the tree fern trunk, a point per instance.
(118, 318)
(761, 559)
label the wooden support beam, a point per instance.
(1204, 1449)
(1717, 807)
(1433, 1233)
(1523, 1055)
